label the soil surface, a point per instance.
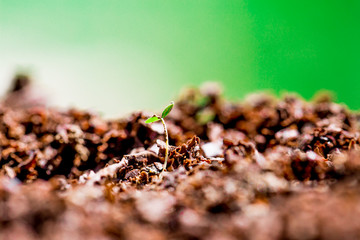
(264, 168)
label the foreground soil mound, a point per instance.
(264, 168)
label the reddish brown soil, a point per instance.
(260, 169)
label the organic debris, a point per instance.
(261, 169)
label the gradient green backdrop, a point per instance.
(119, 56)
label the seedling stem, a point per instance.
(167, 144)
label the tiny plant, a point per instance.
(156, 118)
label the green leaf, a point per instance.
(167, 110)
(152, 119)
(204, 116)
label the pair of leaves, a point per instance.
(166, 111)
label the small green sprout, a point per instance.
(156, 118)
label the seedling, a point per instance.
(156, 118)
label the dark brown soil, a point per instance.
(264, 168)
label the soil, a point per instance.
(263, 168)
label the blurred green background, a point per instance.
(119, 56)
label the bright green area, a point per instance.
(138, 54)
